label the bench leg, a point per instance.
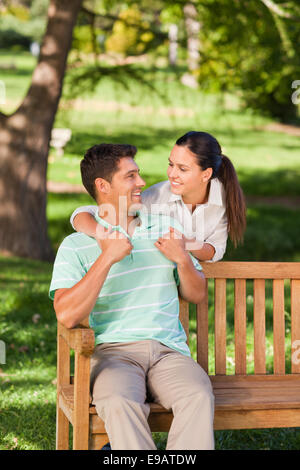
(81, 402)
(62, 431)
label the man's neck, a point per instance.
(116, 218)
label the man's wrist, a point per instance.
(105, 260)
(184, 261)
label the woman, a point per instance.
(202, 193)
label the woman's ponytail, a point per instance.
(208, 153)
(235, 201)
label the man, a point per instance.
(128, 288)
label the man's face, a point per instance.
(126, 184)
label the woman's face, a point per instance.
(184, 174)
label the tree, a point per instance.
(250, 48)
(25, 137)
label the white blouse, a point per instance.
(207, 223)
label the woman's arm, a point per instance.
(205, 252)
(192, 281)
(84, 222)
(81, 223)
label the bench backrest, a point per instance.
(283, 281)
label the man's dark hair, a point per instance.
(101, 161)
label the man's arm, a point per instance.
(74, 304)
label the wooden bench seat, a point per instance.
(242, 401)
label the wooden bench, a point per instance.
(243, 399)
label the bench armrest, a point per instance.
(81, 339)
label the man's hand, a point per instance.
(114, 244)
(172, 246)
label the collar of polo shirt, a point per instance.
(145, 222)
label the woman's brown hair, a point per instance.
(208, 152)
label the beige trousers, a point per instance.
(124, 376)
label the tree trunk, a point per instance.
(173, 44)
(192, 26)
(24, 138)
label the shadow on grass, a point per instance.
(146, 137)
(259, 182)
(143, 138)
(271, 235)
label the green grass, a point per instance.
(27, 400)
(267, 164)
(15, 72)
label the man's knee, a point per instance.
(206, 395)
(205, 392)
(118, 405)
(200, 397)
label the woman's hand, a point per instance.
(172, 245)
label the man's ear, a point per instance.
(102, 186)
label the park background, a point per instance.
(142, 73)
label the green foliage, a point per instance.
(249, 51)
(13, 32)
(83, 38)
(130, 33)
(21, 25)
(171, 13)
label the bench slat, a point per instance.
(240, 325)
(278, 326)
(220, 326)
(264, 381)
(256, 399)
(295, 325)
(202, 333)
(259, 309)
(239, 393)
(252, 270)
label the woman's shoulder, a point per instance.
(217, 193)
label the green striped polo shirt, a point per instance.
(139, 298)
